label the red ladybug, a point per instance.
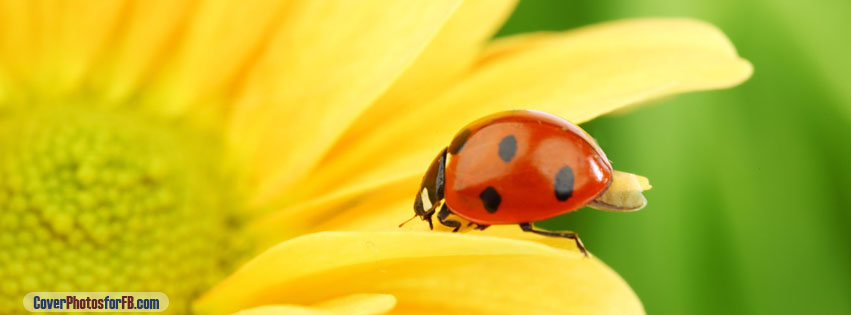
(516, 167)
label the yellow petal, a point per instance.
(317, 77)
(149, 32)
(218, 45)
(450, 55)
(352, 304)
(51, 45)
(427, 273)
(360, 304)
(17, 38)
(280, 309)
(354, 208)
(452, 52)
(577, 75)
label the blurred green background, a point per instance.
(751, 207)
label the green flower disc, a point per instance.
(96, 200)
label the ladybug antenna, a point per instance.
(408, 220)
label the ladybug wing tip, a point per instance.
(624, 194)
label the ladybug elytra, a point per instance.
(520, 167)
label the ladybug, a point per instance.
(520, 167)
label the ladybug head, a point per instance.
(430, 193)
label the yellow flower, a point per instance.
(156, 145)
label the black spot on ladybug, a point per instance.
(564, 183)
(507, 148)
(459, 141)
(490, 199)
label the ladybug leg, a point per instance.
(481, 227)
(527, 227)
(443, 214)
(427, 217)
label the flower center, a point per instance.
(95, 200)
